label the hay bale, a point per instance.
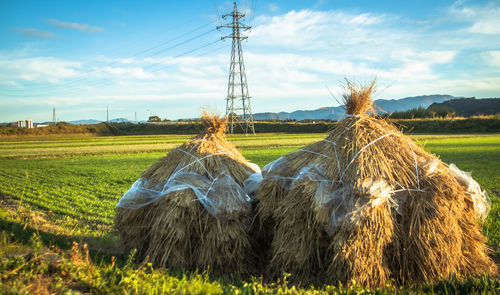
(367, 204)
(190, 210)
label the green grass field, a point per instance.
(58, 190)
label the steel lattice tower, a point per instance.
(238, 108)
(54, 119)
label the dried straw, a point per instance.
(357, 99)
(176, 230)
(434, 235)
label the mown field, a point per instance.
(58, 191)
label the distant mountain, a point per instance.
(84, 122)
(119, 120)
(332, 113)
(403, 104)
(338, 113)
(92, 121)
(470, 106)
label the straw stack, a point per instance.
(189, 210)
(369, 205)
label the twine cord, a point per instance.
(416, 165)
(359, 152)
(319, 154)
(211, 185)
(205, 197)
(337, 158)
(336, 155)
(408, 190)
(197, 160)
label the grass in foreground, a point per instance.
(34, 269)
(64, 198)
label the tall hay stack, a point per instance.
(369, 205)
(189, 210)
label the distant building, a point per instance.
(41, 125)
(25, 124)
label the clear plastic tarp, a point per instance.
(220, 195)
(482, 203)
(334, 203)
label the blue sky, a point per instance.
(164, 57)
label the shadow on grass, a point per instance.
(23, 233)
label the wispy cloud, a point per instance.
(320, 3)
(316, 30)
(273, 7)
(492, 58)
(311, 43)
(483, 19)
(75, 26)
(289, 57)
(36, 69)
(35, 33)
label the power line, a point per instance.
(185, 53)
(83, 83)
(109, 81)
(106, 82)
(183, 42)
(176, 38)
(177, 45)
(80, 79)
(152, 33)
(176, 56)
(217, 14)
(168, 42)
(252, 13)
(216, 11)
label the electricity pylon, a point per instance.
(238, 108)
(54, 116)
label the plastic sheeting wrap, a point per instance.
(335, 203)
(221, 195)
(251, 184)
(482, 203)
(275, 170)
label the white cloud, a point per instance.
(289, 59)
(315, 70)
(124, 73)
(492, 58)
(28, 32)
(483, 19)
(364, 19)
(489, 26)
(432, 56)
(320, 2)
(37, 69)
(75, 26)
(478, 87)
(273, 7)
(18, 71)
(313, 30)
(416, 65)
